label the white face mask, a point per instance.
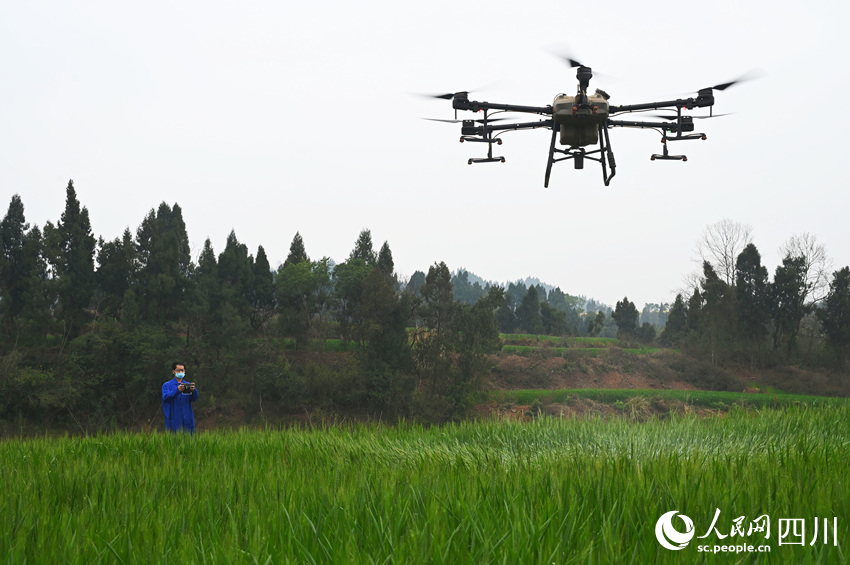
(180, 375)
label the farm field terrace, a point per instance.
(549, 491)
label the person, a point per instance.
(177, 399)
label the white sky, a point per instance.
(275, 117)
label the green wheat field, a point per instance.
(549, 491)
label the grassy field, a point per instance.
(720, 400)
(551, 491)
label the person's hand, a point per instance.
(181, 388)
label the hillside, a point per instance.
(544, 362)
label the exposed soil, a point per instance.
(514, 372)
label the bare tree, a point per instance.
(817, 265)
(690, 282)
(720, 245)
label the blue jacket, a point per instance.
(177, 407)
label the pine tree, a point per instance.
(297, 253)
(528, 312)
(164, 263)
(596, 323)
(751, 287)
(626, 315)
(677, 322)
(236, 276)
(75, 265)
(787, 296)
(385, 260)
(349, 277)
(435, 342)
(14, 277)
(363, 248)
(719, 313)
(262, 297)
(203, 303)
(115, 273)
(834, 315)
(302, 292)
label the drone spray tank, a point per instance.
(580, 116)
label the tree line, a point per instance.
(748, 317)
(88, 328)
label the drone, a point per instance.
(580, 122)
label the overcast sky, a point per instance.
(269, 118)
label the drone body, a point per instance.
(580, 122)
(579, 125)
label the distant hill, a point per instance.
(473, 278)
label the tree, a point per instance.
(626, 315)
(572, 306)
(236, 276)
(464, 291)
(386, 357)
(719, 314)
(696, 303)
(645, 333)
(24, 284)
(363, 248)
(553, 321)
(262, 293)
(115, 272)
(528, 312)
(414, 285)
(677, 322)
(816, 264)
(787, 296)
(14, 278)
(720, 245)
(202, 309)
(506, 316)
(752, 297)
(74, 265)
(385, 260)
(302, 292)
(164, 263)
(297, 253)
(478, 334)
(654, 314)
(450, 347)
(36, 315)
(834, 315)
(516, 292)
(349, 277)
(435, 341)
(596, 323)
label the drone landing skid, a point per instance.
(487, 160)
(666, 155)
(579, 154)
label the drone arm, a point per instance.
(521, 125)
(630, 124)
(484, 130)
(475, 106)
(701, 101)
